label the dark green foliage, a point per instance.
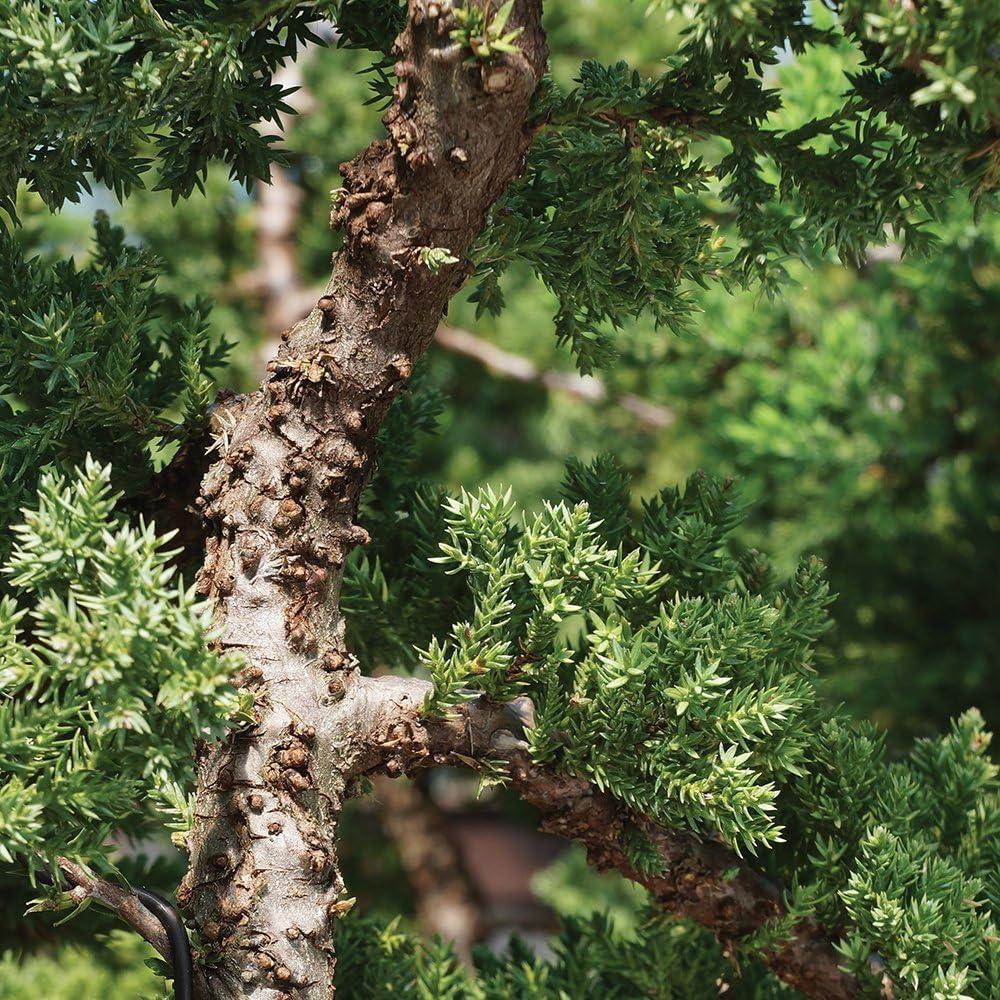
(607, 489)
(388, 616)
(952, 44)
(686, 693)
(654, 644)
(900, 855)
(628, 197)
(372, 25)
(860, 411)
(88, 86)
(88, 366)
(622, 168)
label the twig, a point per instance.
(294, 302)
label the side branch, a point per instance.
(125, 904)
(700, 879)
(133, 907)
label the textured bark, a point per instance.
(263, 888)
(702, 879)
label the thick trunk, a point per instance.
(264, 887)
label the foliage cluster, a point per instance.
(683, 690)
(90, 364)
(681, 685)
(106, 677)
(626, 162)
(661, 960)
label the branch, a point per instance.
(583, 387)
(446, 902)
(296, 301)
(119, 900)
(701, 879)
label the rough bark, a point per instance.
(263, 887)
(702, 879)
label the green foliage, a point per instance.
(369, 24)
(622, 168)
(950, 43)
(483, 33)
(661, 643)
(901, 856)
(628, 194)
(89, 366)
(106, 678)
(860, 410)
(372, 25)
(70, 972)
(661, 959)
(87, 87)
(682, 687)
(434, 258)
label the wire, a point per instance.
(177, 935)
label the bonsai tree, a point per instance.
(642, 681)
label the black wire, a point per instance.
(177, 935)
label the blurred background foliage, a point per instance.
(859, 409)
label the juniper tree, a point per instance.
(642, 682)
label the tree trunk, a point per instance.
(264, 888)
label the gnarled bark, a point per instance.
(264, 887)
